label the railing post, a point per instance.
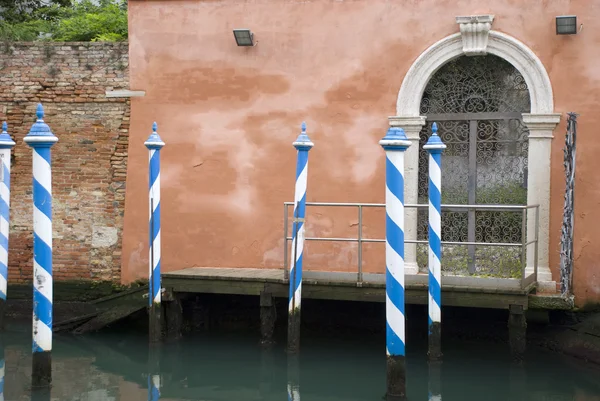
(286, 274)
(435, 147)
(537, 241)
(360, 272)
(41, 139)
(395, 144)
(303, 144)
(154, 145)
(523, 244)
(6, 144)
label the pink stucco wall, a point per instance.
(229, 115)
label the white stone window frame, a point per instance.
(477, 38)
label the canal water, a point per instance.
(225, 366)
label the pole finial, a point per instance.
(303, 142)
(39, 111)
(434, 143)
(4, 127)
(154, 126)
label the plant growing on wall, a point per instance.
(61, 21)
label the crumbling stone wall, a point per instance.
(89, 160)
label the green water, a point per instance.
(221, 366)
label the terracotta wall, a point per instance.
(229, 115)
(89, 160)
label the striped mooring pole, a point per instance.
(435, 147)
(303, 144)
(6, 144)
(154, 145)
(41, 139)
(395, 144)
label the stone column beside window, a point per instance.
(541, 127)
(412, 127)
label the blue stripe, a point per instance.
(156, 281)
(435, 197)
(394, 344)
(394, 290)
(435, 244)
(3, 295)
(42, 199)
(3, 241)
(301, 162)
(154, 167)
(435, 289)
(6, 175)
(394, 236)
(298, 269)
(437, 158)
(3, 270)
(37, 348)
(44, 152)
(42, 253)
(394, 180)
(155, 223)
(3, 208)
(42, 307)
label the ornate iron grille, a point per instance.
(477, 103)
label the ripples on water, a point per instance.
(215, 367)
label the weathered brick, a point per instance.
(89, 160)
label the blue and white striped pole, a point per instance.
(154, 144)
(6, 144)
(395, 144)
(41, 139)
(435, 147)
(303, 144)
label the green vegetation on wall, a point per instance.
(63, 21)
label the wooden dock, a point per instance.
(457, 290)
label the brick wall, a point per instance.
(89, 161)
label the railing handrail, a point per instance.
(481, 206)
(524, 243)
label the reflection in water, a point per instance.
(434, 382)
(154, 374)
(219, 367)
(1, 368)
(293, 378)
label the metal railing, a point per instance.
(461, 208)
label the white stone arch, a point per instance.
(476, 38)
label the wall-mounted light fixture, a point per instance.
(243, 37)
(566, 25)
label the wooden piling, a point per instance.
(268, 315)
(517, 332)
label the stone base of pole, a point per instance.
(155, 323)
(2, 313)
(267, 318)
(41, 369)
(435, 342)
(517, 332)
(293, 340)
(396, 378)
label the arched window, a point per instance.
(477, 103)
